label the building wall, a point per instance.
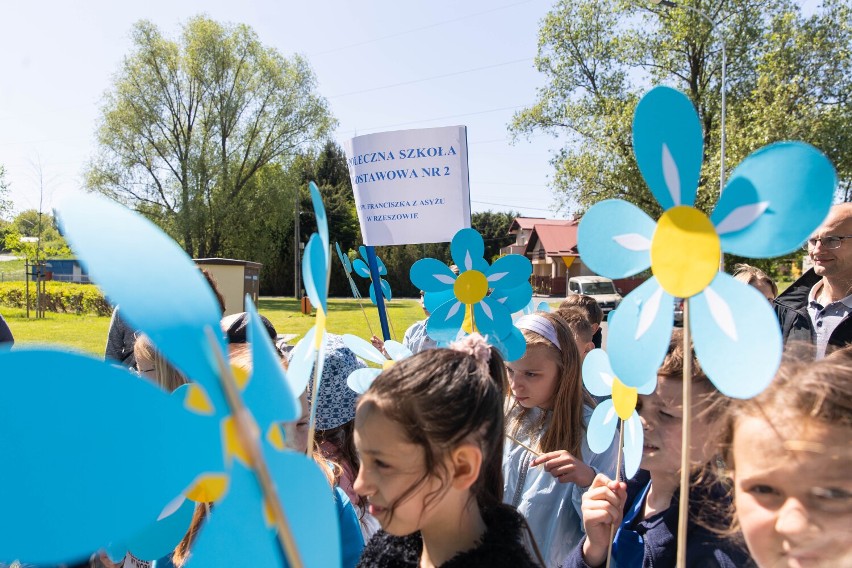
(231, 283)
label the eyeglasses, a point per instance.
(827, 242)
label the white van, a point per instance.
(602, 289)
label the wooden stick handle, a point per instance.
(617, 477)
(249, 436)
(683, 506)
(526, 447)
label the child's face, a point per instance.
(296, 433)
(390, 466)
(793, 492)
(662, 418)
(533, 377)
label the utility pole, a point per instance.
(297, 261)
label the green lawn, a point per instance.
(88, 333)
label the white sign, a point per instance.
(411, 186)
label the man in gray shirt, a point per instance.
(816, 307)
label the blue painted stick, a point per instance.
(377, 288)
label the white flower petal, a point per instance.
(671, 175)
(487, 310)
(649, 312)
(452, 311)
(721, 313)
(610, 415)
(741, 217)
(633, 241)
(444, 279)
(468, 261)
(497, 276)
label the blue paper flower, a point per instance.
(361, 379)
(170, 301)
(600, 380)
(363, 269)
(772, 202)
(466, 302)
(347, 268)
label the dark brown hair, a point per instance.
(442, 398)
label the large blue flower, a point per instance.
(772, 202)
(463, 301)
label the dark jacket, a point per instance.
(791, 307)
(6, 333)
(658, 549)
(502, 545)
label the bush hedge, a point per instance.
(60, 297)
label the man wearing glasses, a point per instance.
(816, 307)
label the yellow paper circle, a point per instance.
(685, 251)
(623, 399)
(470, 287)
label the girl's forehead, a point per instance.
(797, 446)
(536, 354)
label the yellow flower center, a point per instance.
(685, 251)
(470, 287)
(623, 399)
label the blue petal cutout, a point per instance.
(433, 300)
(397, 350)
(467, 249)
(360, 380)
(267, 393)
(386, 289)
(741, 367)
(634, 439)
(514, 299)
(314, 272)
(344, 259)
(602, 424)
(379, 264)
(302, 362)
(509, 272)
(595, 365)
(236, 534)
(512, 346)
(794, 181)
(170, 300)
(54, 444)
(431, 275)
(441, 326)
(499, 323)
(322, 219)
(161, 538)
(361, 268)
(667, 117)
(363, 349)
(596, 238)
(634, 359)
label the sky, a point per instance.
(382, 65)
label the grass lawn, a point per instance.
(88, 333)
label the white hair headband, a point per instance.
(540, 325)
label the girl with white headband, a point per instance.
(547, 464)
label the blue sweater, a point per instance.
(652, 542)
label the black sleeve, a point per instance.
(6, 333)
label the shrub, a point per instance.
(59, 297)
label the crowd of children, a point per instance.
(455, 457)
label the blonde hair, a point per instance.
(753, 276)
(165, 374)
(567, 426)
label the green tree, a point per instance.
(788, 76)
(189, 123)
(494, 228)
(5, 202)
(35, 236)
